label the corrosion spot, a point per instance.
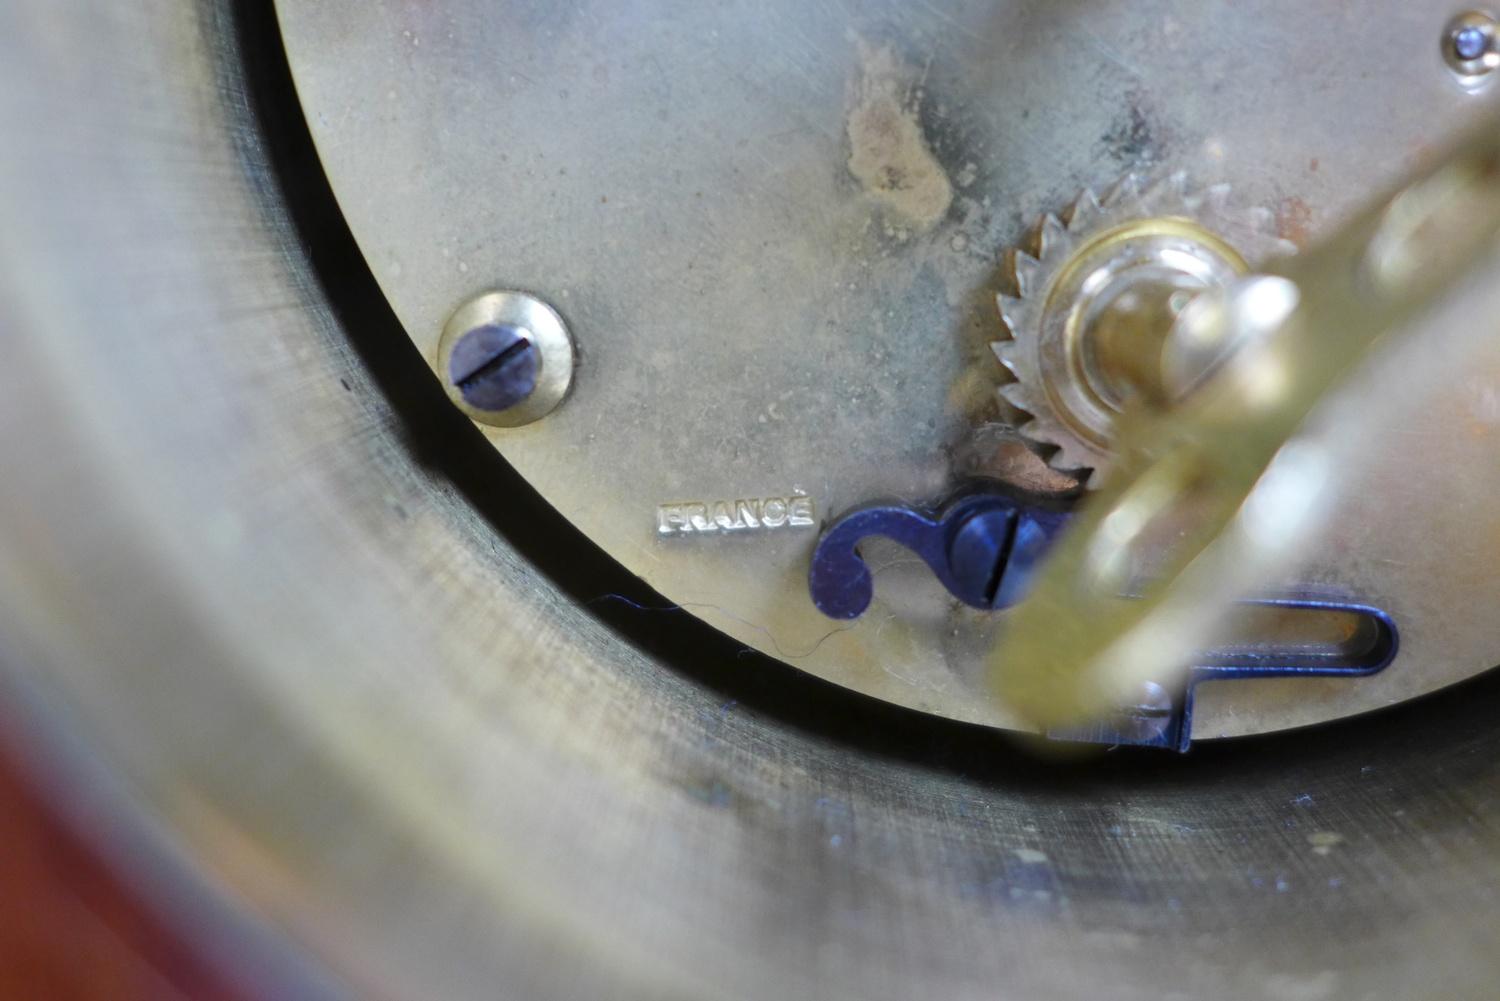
(1294, 221)
(888, 152)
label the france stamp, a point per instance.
(752, 514)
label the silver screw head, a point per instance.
(506, 358)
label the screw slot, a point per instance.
(494, 366)
(979, 553)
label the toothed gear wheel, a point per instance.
(1137, 248)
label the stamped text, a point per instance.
(685, 517)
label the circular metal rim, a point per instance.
(555, 350)
(1078, 406)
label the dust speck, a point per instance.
(888, 152)
(1324, 842)
(1031, 856)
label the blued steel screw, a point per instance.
(978, 555)
(494, 367)
(1469, 47)
(1470, 42)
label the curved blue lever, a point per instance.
(982, 547)
(985, 549)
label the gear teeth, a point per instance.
(1027, 430)
(1040, 432)
(1054, 240)
(1216, 197)
(1025, 267)
(1065, 462)
(1262, 218)
(1167, 192)
(1051, 234)
(1011, 310)
(1018, 395)
(1126, 194)
(1008, 353)
(1084, 211)
(1065, 456)
(1042, 429)
(1092, 478)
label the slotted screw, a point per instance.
(495, 366)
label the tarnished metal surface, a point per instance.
(775, 230)
(337, 690)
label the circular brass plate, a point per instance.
(775, 234)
